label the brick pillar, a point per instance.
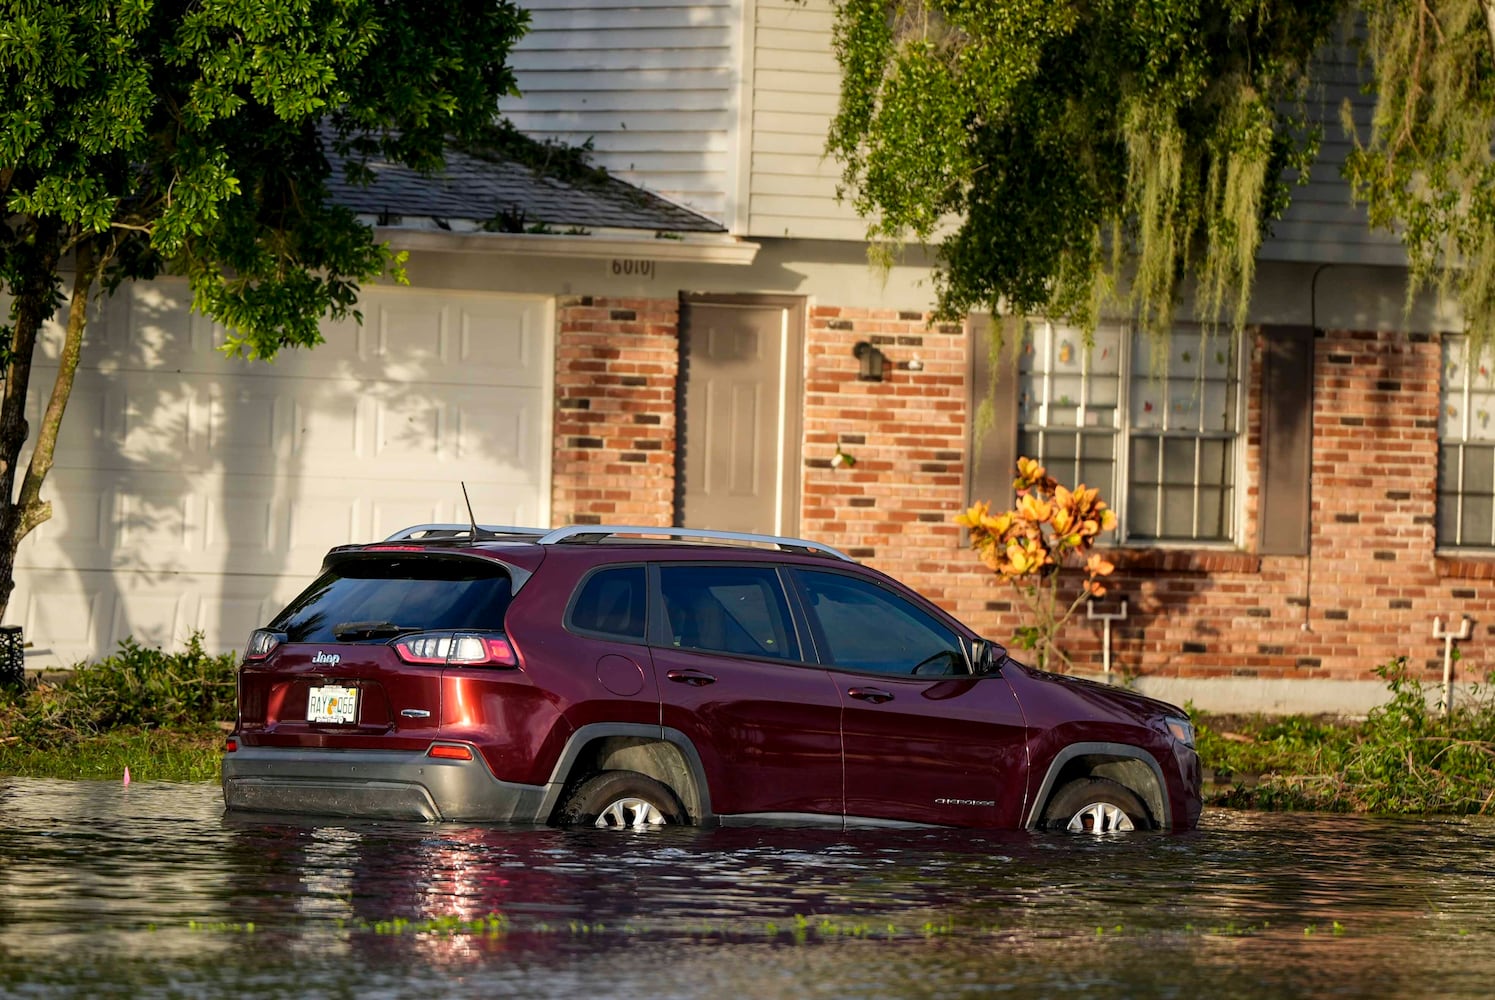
(615, 376)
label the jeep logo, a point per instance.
(331, 659)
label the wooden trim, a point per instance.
(993, 450)
(1284, 485)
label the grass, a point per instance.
(190, 754)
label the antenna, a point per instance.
(471, 517)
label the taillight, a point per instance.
(230, 745)
(457, 650)
(449, 751)
(262, 642)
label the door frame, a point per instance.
(791, 416)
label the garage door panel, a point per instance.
(241, 525)
(508, 344)
(191, 488)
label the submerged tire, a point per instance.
(621, 800)
(1096, 805)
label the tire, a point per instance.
(1095, 805)
(621, 800)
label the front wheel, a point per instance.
(1096, 805)
(621, 800)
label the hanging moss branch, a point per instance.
(1078, 148)
(1425, 171)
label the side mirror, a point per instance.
(988, 660)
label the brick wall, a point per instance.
(1372, 583)
(616, 367)
(1367, 592)
(893, 509)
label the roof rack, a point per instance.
(597, 532)
(418, 532)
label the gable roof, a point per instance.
(500, 195)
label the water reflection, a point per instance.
(151, 890)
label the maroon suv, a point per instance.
(624, 676)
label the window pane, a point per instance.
(867, 628)
(1478, 517)
(612, 601)
(1178, 461)
(1145, 453)
(1105, 356)
(1178, 513)
(1218, 404)
(1214, 462)
(1448, 468)
(1147, 402)
(1481, 409)
(1142, 511)
(1098, 463)
(1214, 516)
(1448, 519)
(728, 609)
(1479, 470)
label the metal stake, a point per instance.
(1105, 618)
(1448, 641)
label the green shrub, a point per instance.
(136, 687)
(1405, 757)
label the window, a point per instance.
(1466, 450)
(867, 628)
(409, 593)
(611, 602)
(728, 609)
(1161, 447)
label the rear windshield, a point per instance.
(420, 593)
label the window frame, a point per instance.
(1124, 432)
(659, 635)
(824, 656)
(1460, 444)
(568, 621)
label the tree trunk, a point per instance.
(24, 510)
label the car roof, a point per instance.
(525, 548)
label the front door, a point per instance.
(739, 431)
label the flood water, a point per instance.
(150, 890)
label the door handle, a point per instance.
(695, 678)
(875, 695)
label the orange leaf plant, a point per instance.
(1049, 527)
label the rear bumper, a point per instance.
(375, 784)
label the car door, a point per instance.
(734, 678)
(924, 739)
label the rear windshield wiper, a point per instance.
(350, 631)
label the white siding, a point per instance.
(796, 85)
(1322, 225)
(653, 84)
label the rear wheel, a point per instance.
(621, 800)
(1096, 805)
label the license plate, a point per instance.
(332, 704)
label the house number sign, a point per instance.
(632, 268)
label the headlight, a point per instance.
(1181, 730)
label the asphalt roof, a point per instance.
(474, 191)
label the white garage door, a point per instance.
(192, 491)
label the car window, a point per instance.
(612, 602)
(868, 628)
(420, 593)
(728, 609)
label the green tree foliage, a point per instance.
(1426, 169)
(1069, 141)
(193, 136)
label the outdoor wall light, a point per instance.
(872, 361)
